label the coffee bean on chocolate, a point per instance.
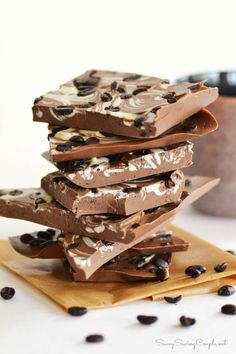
(15, 192)
(228, 309)
(94, 190)
(86, 91)
(173, 300)
(52, 232)
(83, 84)
(40, 201)
(94, 338)
(44, 235)
(187, 321)
(139, 120)
(26, 238)
(77, 140)
(184, 195)
(63, 110)
(226, 290)
(63, 147)
(7, 293)
(106, 97)
(147, 320)
(121, 89)
(113, 85)
(139, 90)
(221, 267)
(162, 273)
(195, 271)
(77, 311)
(112, 109)
(125, 96)
(91, 140)
(132, 77)
(188, 182)
(159, 262)
(171, 100)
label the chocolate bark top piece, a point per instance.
(73, 144)
(113, 169)
(123, 199)
(106, 227)
(122, 103)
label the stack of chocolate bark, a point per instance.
(119, 142)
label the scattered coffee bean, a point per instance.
(113, 85)
(26, 238)
(15, 192)
(173, 300)
(7, 293)
(139, 120)
(51, 231)
(40, 201)
(125, 96)
(147, 320)
(77, 311)
(195, 270)
(132, 77)
(226, 290)
(63, 147)
(77, 140)
(171, 100)
(94, 338)
(112, 109)
(221, 267)
(106, 97)
(121, 89)
(139, 90)
(228, 309)
(188, 182)
(162, 273)
(91, 140)
(187, 321)
(63, 110)
(83, 84)
(231, 252)
(44, 235)
(160, 262)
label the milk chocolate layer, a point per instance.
(122, 103)
(37, 206)
(113, 169)
(71, 144)
(123, 199)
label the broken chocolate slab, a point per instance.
(81, 145)
(106, 227)
(80, 104)
(123, 199)
(113, 169)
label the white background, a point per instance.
(44, 43)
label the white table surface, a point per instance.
(32, 323)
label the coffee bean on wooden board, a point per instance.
(94, 338)
(226, 290)
(77, 311)
(228, 309)
(187, 321)
(221, 267)
(172, 300)
(147, 320)
(7, 293)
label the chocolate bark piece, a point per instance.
(81, 103)
(113, 169)
(84, 144)
(106, 227)
(123, 199)
(124, 270)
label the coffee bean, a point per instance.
(125, 96)
(63, 147)
(188, 182)
(139, 120)
(221, 267)
(147, 320)
(228, 309)
(173, 300)
(132, 77)
(77, 140)
(40, 201)
(94, 338)
(51, 231)
(171, 100)
(112, 109)
(187, 321)
(135, 225)
(63, 110)
(106, 97)
(160, 262)
(77, 311)
(89, 83)
(44, 235)
(231, 252)
(162, 273)
(86, 91)
(91, 140)
(139, 90)
(26, 238)
(94, 190)
(184, 195)
(113, 85)
(226, 290)
(195, 271)
(15, 192)
(121, 89)
(37, 99)
(7, 293)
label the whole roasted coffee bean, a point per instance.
(106, 97)
(173, 300)
(162, 273)
(76, 139)
(229, 309)
(147, 320)
(94, 338)
(187, 321)
(63, 110)
(226, 290)
(77, 311)
(195, 271)
(91, 140)
(26, 238)
(231, 252)
(139, 120)
(63, 147)
(7, 293)
(219, 268)
(51, 231)
(44, 235)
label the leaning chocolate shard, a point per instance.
(112, 102)
(123, 199)
(71, 144)
(113, 169)
(106, 227)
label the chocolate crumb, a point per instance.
(147, 320)
(77, 140)
(77, 311)
(187, 321)
(94, 338)
(7, 293)
(91, 140)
